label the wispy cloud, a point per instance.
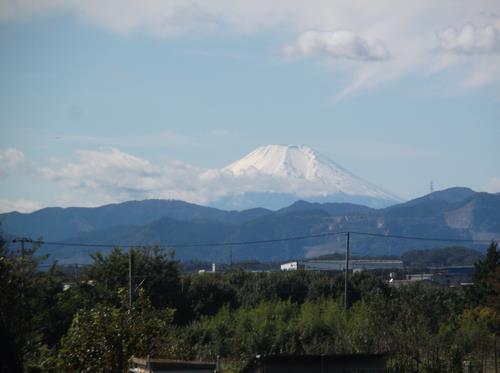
(164, 138)
(19, 205)
(484, 72)
(470, 40)
(9, 159)
(412, 30)
(336, 44)
(493, 185)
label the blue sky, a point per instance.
(94, 93)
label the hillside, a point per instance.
(454, 213)
(443, 257)
(57, 223)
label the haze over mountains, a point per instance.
(453, 213)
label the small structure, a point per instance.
(419, 277)
(453, 275)
(205, 271)
(441, 276)
(355, 363)
(148, 365)
(339, 265)
(292, 266)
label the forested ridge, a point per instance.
(68, 321)
(455, 213)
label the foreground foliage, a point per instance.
(91, 326)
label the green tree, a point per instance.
(28, 318)
(207, 293)
(153, 270)
(487, 278)
(103, 338)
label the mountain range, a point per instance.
(456, 213)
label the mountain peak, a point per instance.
(297, 161)
(307, 170)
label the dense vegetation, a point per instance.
(52, 321)
(441, 257)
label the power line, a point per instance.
(433, 239)
(255, 242)
(182, 245)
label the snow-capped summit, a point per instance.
(307, 171)
(280, 160)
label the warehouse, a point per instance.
(339, 265)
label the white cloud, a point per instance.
(109, 168)
(336, 44)
(20, 205)
(483, 72)
(493, 185)
(157, 17)
(407, 28)
(470, 40)
(9, 159)
(111, 175)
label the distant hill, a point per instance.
(333, 209)
(56, 223)
(450, 195)
(456, 213)
(175, 234)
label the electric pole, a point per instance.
(23, 240)
(130, 278)
(346, 300)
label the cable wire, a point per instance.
(255, 242)
(181, 245)
(433, 239)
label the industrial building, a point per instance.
(339, 265)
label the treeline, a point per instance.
(250, 265)
(56, 321)
(436, 257)
(441, 257)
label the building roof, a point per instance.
(313, 363)
(169, 364)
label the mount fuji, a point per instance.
(274, 176)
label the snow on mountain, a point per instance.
(304, 172)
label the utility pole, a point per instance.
(346, 300)
(23, 240)
(130, 278)
(495, 352)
